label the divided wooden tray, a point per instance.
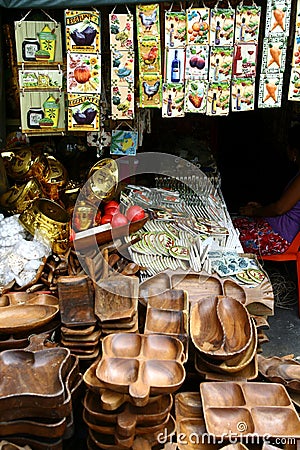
(141, 365)
(242, 408)
(258, 300)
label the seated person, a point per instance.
(270, 229)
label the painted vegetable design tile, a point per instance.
(274, 54)
(83, 112)
(247, 23)
(294, 86)
(242, 94)
(196, 62)
(175, 28)
(278, 17)
(198, 25)
(222, 26)
(82, 31)
(270, 91)
(83, 73)
(195, 96)
(173, 100)
(121, 31)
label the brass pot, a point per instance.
(51, 221)
(54, 178)
(18, 197)
(25, 163)
(102, 181)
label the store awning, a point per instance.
(64, 4)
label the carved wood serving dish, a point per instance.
(258, 300)
(33, 377)
(116, 298)
(141, 365)
(24, 317)
(220, 327)
(282, 370)
(76, 300)
(248, 408)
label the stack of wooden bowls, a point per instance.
(119, 412)
(225, 338)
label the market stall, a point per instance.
(129, 315)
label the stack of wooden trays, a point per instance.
(80, 331)
(38, 409)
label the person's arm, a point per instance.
(287, 200)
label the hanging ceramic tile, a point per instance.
(39, 79)
(195, 96)
(222, 26)
(83, 73)
(42, 113)
(149, 56)
(82, 31)
(121, 31)
(150, 91)
(173, 100)
(124, 142)
(244, 60)
(294, 86)
(218, 99)
(174, 65)
(278, 17)
(220, 65)
(270, 90)
(147, 20)
(122, 106)
(38, 42)
(83, 112)
(175, 28)
(247, 23)
(274, 54)
(198, 23)
(242, 94)
(196, 62)
(122, 72)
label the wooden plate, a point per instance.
(19, 318)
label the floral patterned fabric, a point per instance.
(257, 236)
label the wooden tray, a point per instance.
(97, 237)
(76, 300)
(244, 408)
(116, 298)
(280, 370)
(141, 365)
(23, 317)
(258, 300)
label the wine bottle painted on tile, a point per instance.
(175, 68)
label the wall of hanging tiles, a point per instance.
(39, 58)
(83, 45)
(274, 53)
(294, 84)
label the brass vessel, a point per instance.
(51, 221)
(18, 197)
(102, 181)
